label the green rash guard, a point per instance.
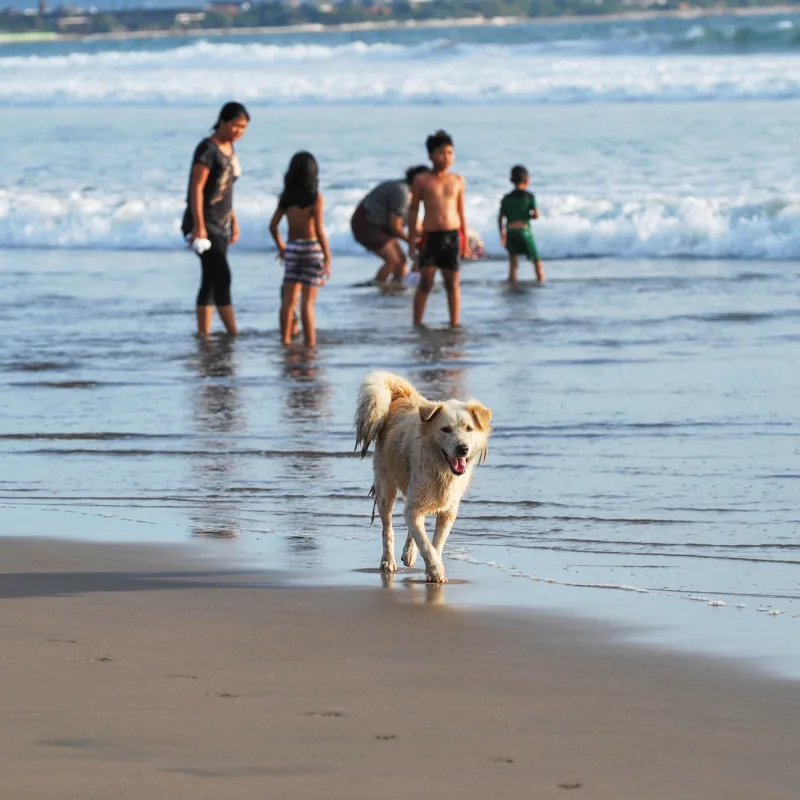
(518, 206)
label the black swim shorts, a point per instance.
(441, 249)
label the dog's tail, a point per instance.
(375, 397)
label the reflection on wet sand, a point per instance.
(307, 390)
(219, 419)
(307, 409)
(440, 375)
(416, 589)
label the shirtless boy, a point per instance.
(444, 229)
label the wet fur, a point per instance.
(413, 456)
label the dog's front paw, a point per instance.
(388, 565)
(434, 573)
(410, 553)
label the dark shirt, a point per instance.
(518, 206)
(218, 191)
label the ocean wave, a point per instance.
(655, 226)
(736, 38)
(205, 73)
(204, 54)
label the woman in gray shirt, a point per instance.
(380, 220)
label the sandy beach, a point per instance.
(132, 671)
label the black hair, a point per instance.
(439, 139)
(412, 173)
(301, 181)
(518, 174)
(230, 112)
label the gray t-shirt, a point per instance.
(390, 197)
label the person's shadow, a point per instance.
(219, 421)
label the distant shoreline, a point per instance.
(463, 22)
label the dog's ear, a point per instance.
(481, 414)
(428, 411)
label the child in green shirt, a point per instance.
(517, 209)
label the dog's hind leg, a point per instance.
(410, 551)
(434, 569)
(444, 522)
(384, 499)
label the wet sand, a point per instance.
(133, 671)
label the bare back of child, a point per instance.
(301, 221)
(306, 255)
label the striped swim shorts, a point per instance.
(304, 262)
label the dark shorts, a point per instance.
(520, 242)
(367, 233)
(441, 249)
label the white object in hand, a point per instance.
(201, 245)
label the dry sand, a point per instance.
(143, 672)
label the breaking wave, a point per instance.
(635, 67)
(571, 226)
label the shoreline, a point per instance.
(463, 22)
(654, 619)
(156, 666)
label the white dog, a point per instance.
(427, 451)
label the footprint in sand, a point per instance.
(321, 714)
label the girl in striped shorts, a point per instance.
(306, 255)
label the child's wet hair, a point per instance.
(301, 181)
(518, 174)
(439, 139)
(230, 112)
(412, 173)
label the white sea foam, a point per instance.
(458, 554)
(570, 227)
(429, 72)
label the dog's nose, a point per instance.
(462, 449)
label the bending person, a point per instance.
(379, 223)
(209, 215)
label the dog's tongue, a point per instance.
(459, 465)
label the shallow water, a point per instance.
(645, 441)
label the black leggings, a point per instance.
(215, 287)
